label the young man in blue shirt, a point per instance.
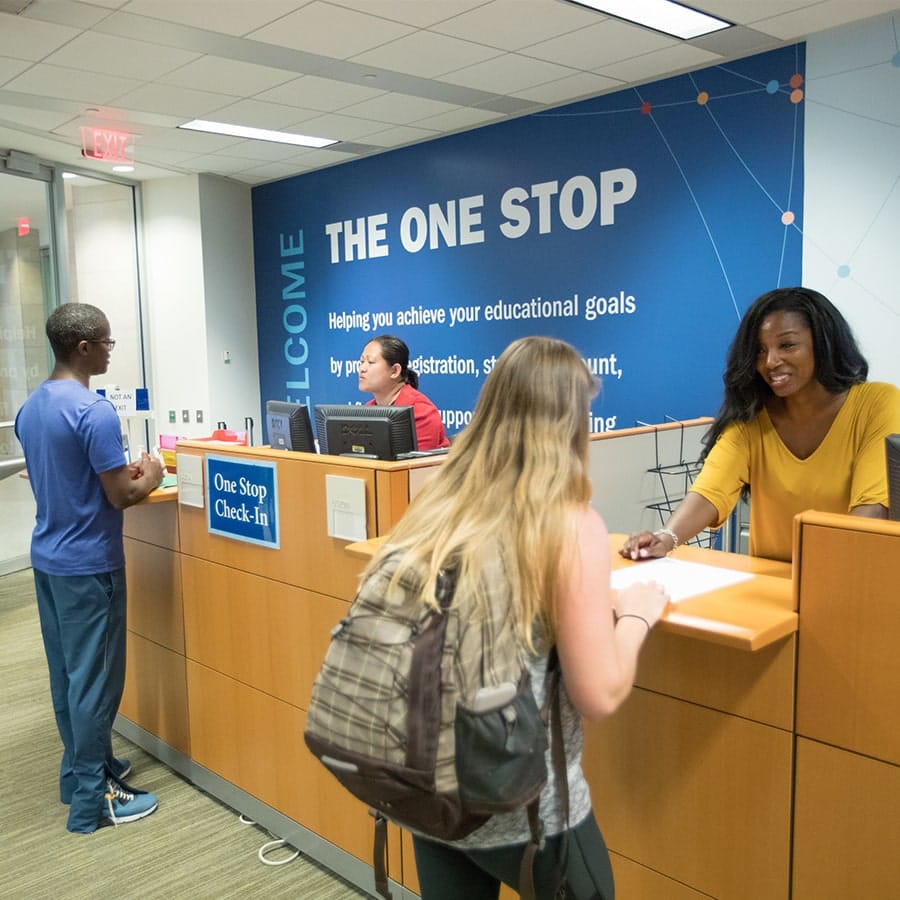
(81, 481)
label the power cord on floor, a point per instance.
(269, 846)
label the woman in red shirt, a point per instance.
(384, 373)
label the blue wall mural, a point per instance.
(637, 225)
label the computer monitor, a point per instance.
(892, 449)
(370, 432)
(289, 427)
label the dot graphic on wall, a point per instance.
(797, 96)
(772, 87)
(787, 217)
(645, 108)
(702, 98)
(796, 80)
(843, 271)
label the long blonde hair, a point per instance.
(508, 486)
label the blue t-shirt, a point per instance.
(69, 435)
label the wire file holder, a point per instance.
(675, 479)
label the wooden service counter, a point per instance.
(736, 769)
(225, 638)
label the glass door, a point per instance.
(27, 294)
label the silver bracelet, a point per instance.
(671, 534)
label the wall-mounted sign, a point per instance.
(107, 145)
(127, 401)
(242, 499)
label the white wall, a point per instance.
(230, 302)
(851, 245)
(200, 300)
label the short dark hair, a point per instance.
(839, 364)
(70, 324)
(395, 352)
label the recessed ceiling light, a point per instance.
(69, 175)
(257, 134)
(123, 168)
(661, 15)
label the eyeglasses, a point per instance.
(108, 341)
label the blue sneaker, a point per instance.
(126, 804)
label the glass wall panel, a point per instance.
(27, 294)
(95, 220)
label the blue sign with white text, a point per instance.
(243, 500)
(638, 226)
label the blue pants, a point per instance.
(83, 626)
(448, 873)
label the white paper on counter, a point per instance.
(679, 578)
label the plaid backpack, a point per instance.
(428, 716)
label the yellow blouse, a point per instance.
(846, 470)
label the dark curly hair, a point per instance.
(838, 362)
(70, 324)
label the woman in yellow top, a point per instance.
(800, 427)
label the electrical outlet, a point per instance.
(199, 416)
(185, 415)
(172, 416)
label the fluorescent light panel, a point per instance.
(257, 134)
(660, 15)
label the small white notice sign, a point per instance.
(345, 505)
(190, 479)
(679, 578)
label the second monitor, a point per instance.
(369, 432)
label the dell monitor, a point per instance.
(289, 427)
(892, 449)
(368, 432)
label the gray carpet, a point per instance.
(191, 847)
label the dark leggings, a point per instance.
(447, 873)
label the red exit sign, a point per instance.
(107, 145)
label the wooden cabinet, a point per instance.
(847, 793)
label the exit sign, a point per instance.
(107, 145)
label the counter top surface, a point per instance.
(747, 616)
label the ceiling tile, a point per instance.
(24, 38)
(419, 13)
(93, 52)
(257, 114)
(262, 151)
(193, 142)
(828, 14)
(401, 134)
(330, 30)
(399, 109)
(426, 54)
(237, 17)
(313, 92)
(513, 24)
(44, 120)
(662, 62)
(583, 84)
(607, 41)
(213, 73)
(9, 68)
(71, 84)
(744, 13)
(171, 100)
(509, 74)
(343, 128)
(461, 117)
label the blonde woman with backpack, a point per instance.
(515, 487)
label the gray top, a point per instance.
(512, 828)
